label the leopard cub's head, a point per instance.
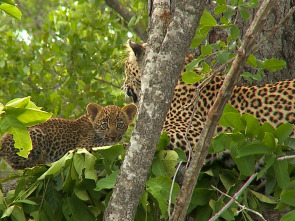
(111, 122)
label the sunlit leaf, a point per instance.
(273, 64)
(11, 10)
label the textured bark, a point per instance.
(172, 27)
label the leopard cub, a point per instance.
(101, 126)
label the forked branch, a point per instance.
(215, 112)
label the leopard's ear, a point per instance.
(130, 110)
(93, 110)
(137, 48)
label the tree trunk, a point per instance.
(172, 27)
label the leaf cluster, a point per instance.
(222, 51)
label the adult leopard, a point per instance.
(271, 102)
(52, 139)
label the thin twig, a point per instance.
(107, 82)
(35, 19)
(199, 88)
(234, 198)
(286, 157)
(243, 207)
(171, 188)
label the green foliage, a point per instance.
(9, 8)
(222, 51)
(16, 116)
(65, 54)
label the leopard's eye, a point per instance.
(120, 125)
(104, 126)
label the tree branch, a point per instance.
(106, 82)
(171, 32)
(234, 200)
(215, 112)
(118, 7)
(35, 19)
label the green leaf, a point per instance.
(281, 173)
(108, 182)
(207, 19)
(288, 197)
(8, 211)
(191, 77)
(245, 164)
(30, 117)
(269, 141)
(205, 68)
(193, 64)
(163, 142)
(228, 180)
(76, 210)
(57, 166)
(244, 13)
(252, 125)
(90, 172)
(273, 64)
(223, 56)
(201, 196)
(81, 193)
(229, 108)
(221, 142)
(268, 161)
(198, 38)
(79, 162)
(289, 216)
(266, 127)
(252, 60)
(52, 196)
(144, 200)
(252, 149)
(169, 159)
(231, 119)
(158, 167)
(8, 2)
(263, 198)
(110, 152)
(221, 2)
(206, 50)
(181, 155)
(11, 10)
(19, 102)
(159, 187)
(284, 131)
(132, 21)
(20, 134)
(234, 32)
(219, 9)
(18, 213)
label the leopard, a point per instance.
(272, 103)
(51, 140)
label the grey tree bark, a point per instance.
(172, 27)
